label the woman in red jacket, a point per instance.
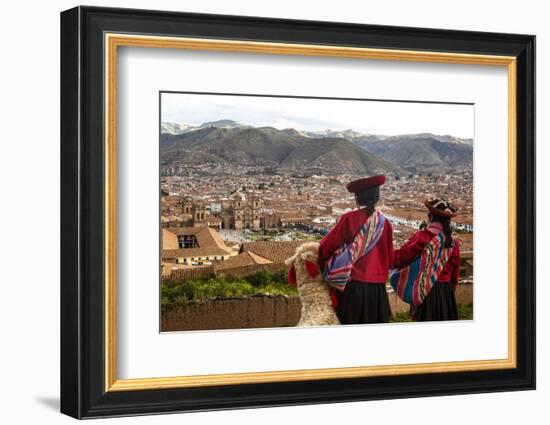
(440, 303)
(365, 299)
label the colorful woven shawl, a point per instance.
(338, 269)
(414, 282)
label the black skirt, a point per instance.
(440, 304)
(363, 303)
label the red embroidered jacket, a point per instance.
(371, 268)
(415, 245)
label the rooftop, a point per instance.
(274, 251)
(208, 240)
(244, 259)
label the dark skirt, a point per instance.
(440, 304)
(363, 303)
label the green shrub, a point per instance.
(400, 317)
(259, 278)
(262, 282)
(465, 311)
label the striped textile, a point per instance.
(414, 282)
(338, 270)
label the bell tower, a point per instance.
(238, 211)
(199, 214)
(256, 204)
(187, 205)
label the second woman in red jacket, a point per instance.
(440, 303)
(365, 299)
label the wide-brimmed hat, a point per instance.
(441, 207)
(360, 185)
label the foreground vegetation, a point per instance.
(197, 290)
(260, 283)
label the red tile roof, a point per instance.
(275, 251)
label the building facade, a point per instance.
(245, 211)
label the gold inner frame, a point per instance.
(113, 41)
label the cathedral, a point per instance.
(242, 212)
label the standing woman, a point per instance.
(364, 299)
(440, 303)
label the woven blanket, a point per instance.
(414, 282)
(337, 272)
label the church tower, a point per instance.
(256, 205)
(199, 214)
(187, 205)
(238, 211)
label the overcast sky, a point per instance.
(372, 117)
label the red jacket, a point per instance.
(371, 268)
(415, 245)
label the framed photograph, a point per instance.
(261, 212)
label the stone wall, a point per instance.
(397, 305)
(244, 271)
(259, 312)
(241, 313)
(464, 293)
(181, 275)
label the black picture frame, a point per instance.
(83, 392)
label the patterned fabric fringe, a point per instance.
(414, 282)
(338, 270)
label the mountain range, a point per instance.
(348, 151)
(181, 128)
(420, 152)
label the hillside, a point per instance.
(333, 153)
(268, 146)
(228, 141)
(420, 153)
(237, 145)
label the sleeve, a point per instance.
(335, 238)
(403, 256)
(455, 271)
